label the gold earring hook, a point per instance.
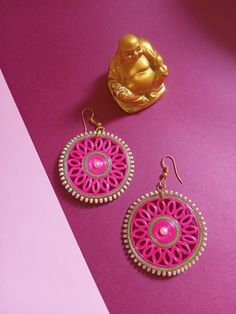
(174, 165)
(98, 125)
(161, 186)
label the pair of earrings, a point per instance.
(164, 232)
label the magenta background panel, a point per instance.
(55, 54)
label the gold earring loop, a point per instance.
(83, 119)
(174, 165)
(98, 125)
(161, 186)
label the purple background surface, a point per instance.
(54, 55)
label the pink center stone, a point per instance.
(164, 231)
(97, 164)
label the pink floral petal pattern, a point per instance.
(96, 166)
(163, 232)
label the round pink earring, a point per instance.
(96, 166)
(164, 232)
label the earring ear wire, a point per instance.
(92, 121)
(161, 186)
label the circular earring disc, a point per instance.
(164, 234)
(96, 167)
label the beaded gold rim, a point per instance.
(154, 270)
(98, 199)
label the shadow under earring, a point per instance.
(164, 232)
(96, 166)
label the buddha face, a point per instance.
(129, 48)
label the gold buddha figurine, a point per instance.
(136, 74)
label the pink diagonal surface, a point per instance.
(42, 269)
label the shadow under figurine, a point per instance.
(136, 74)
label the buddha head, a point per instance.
(129, 48)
